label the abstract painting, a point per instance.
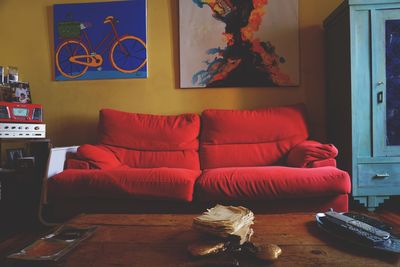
(228, 43)
(100, 40)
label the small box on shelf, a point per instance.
(25, 163)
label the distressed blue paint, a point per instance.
(363, 60)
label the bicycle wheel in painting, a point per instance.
(67, 50)
(128, 55)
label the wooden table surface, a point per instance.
(162, 240)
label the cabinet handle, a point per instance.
(380, 97)
(381, 175)
(380, 83)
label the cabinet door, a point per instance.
(385, 38)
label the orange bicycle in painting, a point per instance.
(75, 54)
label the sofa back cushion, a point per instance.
(262, 137)
(150, 141)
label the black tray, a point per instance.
(55, 245)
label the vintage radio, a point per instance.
(23, 113)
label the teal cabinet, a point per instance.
(363, 95)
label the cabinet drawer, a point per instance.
(379, 175)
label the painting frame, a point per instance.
(217, 51)
(100, 40)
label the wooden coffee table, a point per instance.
(161, 240)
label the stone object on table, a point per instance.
(268, 252)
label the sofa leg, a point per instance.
(42, 220)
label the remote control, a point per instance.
(369, 220)
(351, 232)
(349, 229)
(393, 246)
(358, 224)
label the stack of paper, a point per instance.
(226, 221)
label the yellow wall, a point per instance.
(71, 108)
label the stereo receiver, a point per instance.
(22, 130)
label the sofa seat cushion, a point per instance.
(271, 182)
(166, 183)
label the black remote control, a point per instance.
(359, 228)
(352, 232)
(369, 220)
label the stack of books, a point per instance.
(226, 222)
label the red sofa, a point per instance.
(259, 158)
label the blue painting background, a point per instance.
(132, 20)
(393, 82)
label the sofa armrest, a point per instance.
(77, 164)
(311, 154)
(323, 163)
(55, 165)
(98, 157)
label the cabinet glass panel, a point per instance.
(392, 82)
(385, 54)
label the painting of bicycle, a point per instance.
(105, 40)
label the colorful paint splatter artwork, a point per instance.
(228, 43)
(393, 82)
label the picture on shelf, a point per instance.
(21, 93)
(12, 74)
